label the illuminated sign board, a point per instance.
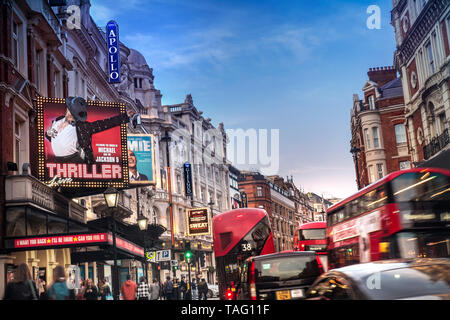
(60, 240)
(198, 222)
(87, 153)
(187, 168)
(112, 38)
(76, 239)
(126, 245)
(141, 159)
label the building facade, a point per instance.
(42, 55)
(422, 33)
(379, 142)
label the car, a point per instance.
(279, 276)
(399, 279)
(213, 291)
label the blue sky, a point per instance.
(287, 65)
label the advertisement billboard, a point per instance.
(198, 222)
(141, 159)
(82, 144)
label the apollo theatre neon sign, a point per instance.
(112, 36)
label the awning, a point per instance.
(104, 240)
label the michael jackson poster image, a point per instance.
(140, 159)
(82, 143)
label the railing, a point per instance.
(437, 144)
(26, 189)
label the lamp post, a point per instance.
(143, 224)
(355, 152)
(111, 198)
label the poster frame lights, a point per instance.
(145, 159)
(109, 147)
(200, 219)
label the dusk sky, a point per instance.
(287, 65)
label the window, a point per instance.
(371, 174)
(376, 141)
(56, 84)
(138, 83)
(332, 288)
(436, 47)
(259, 191)
(404, 165)
(38, 68)
(179, 185)
(16, 43)
(400, 133)
(366, 135)
(429, 50)
(380, 170)
(19, 142)
(371, 102)
(440, 123)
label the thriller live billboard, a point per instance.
(89, 152)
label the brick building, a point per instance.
(422, 33)
(379, 142)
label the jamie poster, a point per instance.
(87, 151)
(140, 159)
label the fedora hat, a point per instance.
(77, 107)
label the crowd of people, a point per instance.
(23, 287)
(178, 290)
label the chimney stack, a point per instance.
(382, 75)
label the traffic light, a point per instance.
(187, 251)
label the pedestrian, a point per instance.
(194, 289)
(202, 290)
(143, 291)
(80, 293)
(176, 289)
(154, 290)
(42, 289)
(168, 289)
(104, 290)
(91, 291)
(58, 290)
(128, 289)
(183, 288)
(22, 287)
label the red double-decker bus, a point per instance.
(311, 237)
(406, 214)
(237, 235)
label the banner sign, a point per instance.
(112, 36)
(60, 240)
(126, 245)
(163, 255)
(141, 159)
(88, 152)
(198, 222)
(150, 256)
(187, 168)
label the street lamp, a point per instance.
(142, 222)
(111, 198)
(355, 152)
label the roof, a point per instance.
(286, 253)
(363, 270)
(392, 89)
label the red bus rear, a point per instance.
(403, 215)
(237, 235)
(311, 237)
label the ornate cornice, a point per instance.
(419, 30)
